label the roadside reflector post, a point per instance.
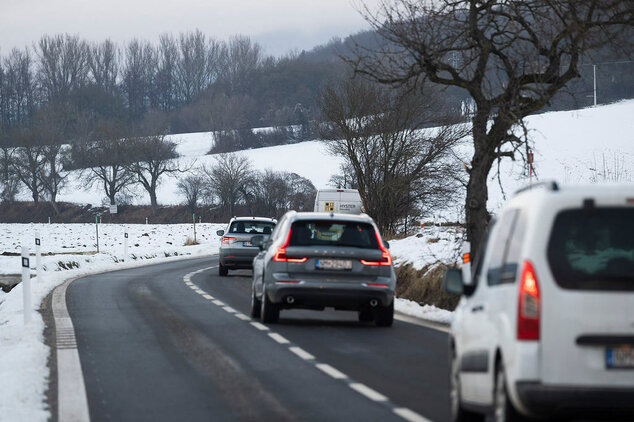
(97, 232)
(38, 257)
(26, 285)
(125, 246)
(194, 218)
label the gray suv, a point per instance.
(236, 250)
(318, 260)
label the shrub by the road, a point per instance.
(424, 286)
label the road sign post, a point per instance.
(26, 285)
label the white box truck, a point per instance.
(345, 201)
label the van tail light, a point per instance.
(528, 307)
(280, 254)
(227, 239)
(386, 258)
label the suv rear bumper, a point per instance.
(340, 298)
(604, 402)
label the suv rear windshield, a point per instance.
(333, 233)
(593, 249)
(252, 227)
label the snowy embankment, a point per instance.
(23, 353)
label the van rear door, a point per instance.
(587, 297)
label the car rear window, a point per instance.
(333, 233)
(252, 227)
(593, 249)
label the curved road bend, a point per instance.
(153, 347)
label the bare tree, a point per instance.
(377, 131)
(28, 162)
(166, 76)
(103, 62)
(512, 57)
(106, 157)
(18, 89)
(240, 60)
(345, 179)
(63, 65)
(151, 157)
(138, 76)
(226, 179)
(192, 188)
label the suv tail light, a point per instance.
(227, 239)
(386, 258)
(528, 307)
(280, 254)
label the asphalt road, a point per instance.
(156, 345)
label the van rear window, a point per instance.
(593, 249)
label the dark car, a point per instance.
(236, 250)
(319, 260)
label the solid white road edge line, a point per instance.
(71, 391)
(423, 323)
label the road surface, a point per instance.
(174, 342)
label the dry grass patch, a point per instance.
(424, 286)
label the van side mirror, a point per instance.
(452, 281)
(258, 241)
(386, 244)
(220, 232)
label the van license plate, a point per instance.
(333, 264)
(619, 357)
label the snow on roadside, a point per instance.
(23, 354)
(431, 245)
(426, 312)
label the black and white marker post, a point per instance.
(26, 285)
(38, 257)
(125, 246)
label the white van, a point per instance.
(545, 327)
(344, 201)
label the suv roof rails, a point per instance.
(550, 185)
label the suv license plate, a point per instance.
(619, 357)
(333, 264)
(246, 244)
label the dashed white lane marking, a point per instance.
(367, 391)
(243, 317)
(259, 326)
(301, 353)
(410, 415)
(278, 338)
(333, 372)
(403, 412)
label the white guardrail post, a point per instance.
(26, 285)
(38, 257)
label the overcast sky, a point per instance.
(279, 25)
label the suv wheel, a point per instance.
(222, 270)
(270, 312)
(503, 409)
(385, 315)
(458, 414)
(255, 306)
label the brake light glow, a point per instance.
(376, 285)
(528, 307)
(227, 239)
(280, 254)
(386, 258)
